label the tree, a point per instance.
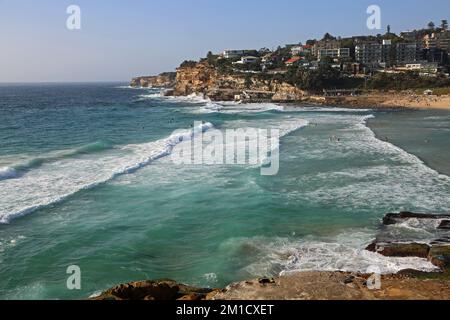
(210, 58)
(328, 36)
(188, 64)
(431, 25)
(444, 24)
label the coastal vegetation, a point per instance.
(405, 81)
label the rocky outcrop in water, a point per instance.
(437, 251)
(395, 218)
(403, 250)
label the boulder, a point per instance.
(264, 281)
(400, 249)
(143, 290)
(160, 290)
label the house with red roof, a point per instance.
(292, 61)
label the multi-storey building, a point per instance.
(440, 40)
(436, 55)
(325, 45)
(373, 54)
(342, 53)
(408, 52)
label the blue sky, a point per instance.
(120, 39)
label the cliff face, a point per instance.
(198, 79)
(162, 80)
(205, 79)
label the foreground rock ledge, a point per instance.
(408, 285)
(338, 286)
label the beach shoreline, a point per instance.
(389, 101)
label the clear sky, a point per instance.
(120, 39)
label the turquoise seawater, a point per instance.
(86, 179)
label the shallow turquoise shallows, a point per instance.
(87, 179)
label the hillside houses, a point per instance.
(424, 51)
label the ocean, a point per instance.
(87, 179)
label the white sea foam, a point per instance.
(205, 105)
(211, 278)
(151, 96)
(324, 109)
(235, 108)
(344, 252)
(55, 181)
(191, 99)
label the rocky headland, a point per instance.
(204, 79)
(405, 285)
(163, 80)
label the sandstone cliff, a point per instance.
(205, 79)
(163, 80)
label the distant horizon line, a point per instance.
(62, 82)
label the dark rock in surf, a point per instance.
(445, 225)
(394, 218)
(400, 249)
(441, 241)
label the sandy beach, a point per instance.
(422, 102)
(386, 100)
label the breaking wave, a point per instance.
(54, 181)
(18, 170)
